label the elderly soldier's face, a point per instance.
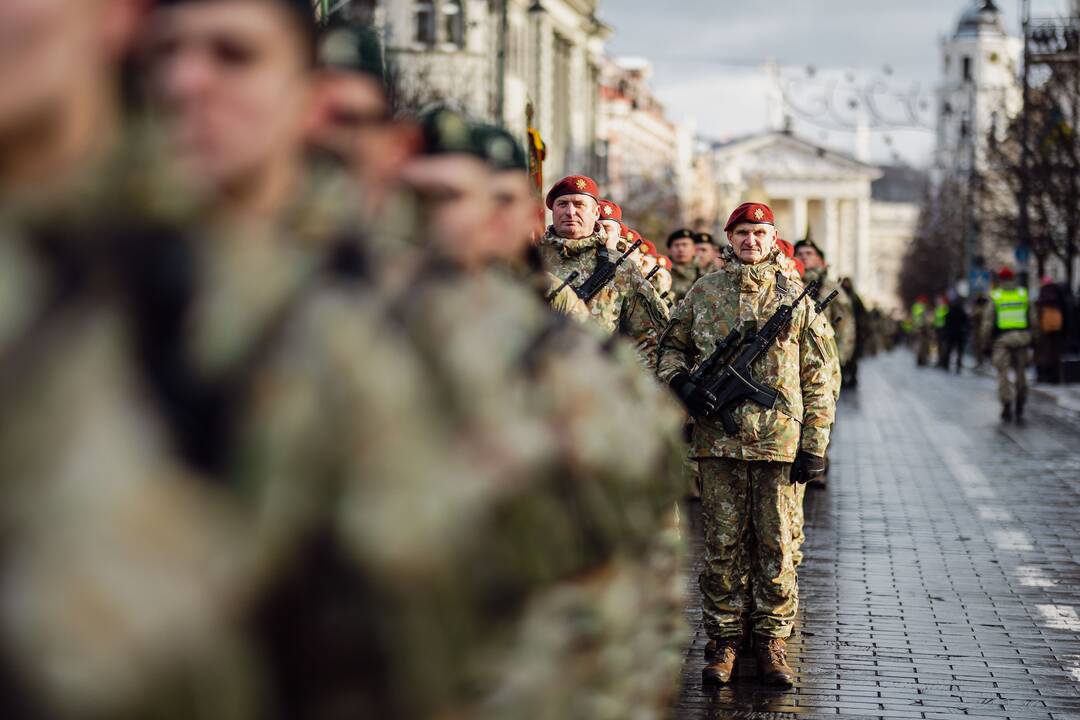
(682, 250)
(53, 51)
(752, 242)
(575, 216)
(233, 78)
(810, 258)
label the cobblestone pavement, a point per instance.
(942, 572)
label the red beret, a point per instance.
(631, 235)
(663, 261)
(758, 213)
(1006, 273)
(573, 185)
(623, 230)
(647, 247)
(786, 247)
(800, 267)
(610, 211)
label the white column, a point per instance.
(831, 231)
(864, 274)
(798, 219)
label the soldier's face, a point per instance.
(353, 122)
(54, 50)
(233, 80)
(706, 255)
(455, 191)
(810, 258)
(662, 281)
(515, 212)
(646, 263)
(575, 216)
(752, 242)
(682, 250)
(612, 229)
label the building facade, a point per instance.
(979, 91)
(496, 60)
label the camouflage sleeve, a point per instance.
(677, 351)
(819, 370)
(643, 318)
(566, 301)
(842, 317)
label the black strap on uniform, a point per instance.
(202, 413)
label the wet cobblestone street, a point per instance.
(942, 572)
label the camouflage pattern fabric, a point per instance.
(683, 277)
(749, 566)
(841, 313)
(629, 304)
(802, 364)
(1011, 352)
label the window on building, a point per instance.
(425, 22)
(454, 18)
(967, 68)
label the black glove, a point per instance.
(807, 467)
(698, 401)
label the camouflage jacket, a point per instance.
(802, 364)
(841, 313)
(683, 277)
(629, 304)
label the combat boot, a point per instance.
(723, 654)
(772, 661)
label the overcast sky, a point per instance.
(708, 55)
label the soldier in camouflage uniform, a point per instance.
(841, 314)
(629, 304)
(747, 478)
(549, 469)
(684, 270)
(106, 529)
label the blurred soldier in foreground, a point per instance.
(1011, 324)
(746, 477)
(123, 569)
(628, 304)
(564, 510)
(684, 271)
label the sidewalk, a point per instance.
(942, 573)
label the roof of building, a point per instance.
(755, 141)
(900, 184)
(982, 18)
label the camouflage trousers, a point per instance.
(749, 560)
(798, 517)
(1011, 352)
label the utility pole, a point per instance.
(1024, 229)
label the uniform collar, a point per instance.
(570, 247)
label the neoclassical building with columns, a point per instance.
(811, 190)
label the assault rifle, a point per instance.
(555, 293)
(726, 372)
(603, 275)
(652, 272)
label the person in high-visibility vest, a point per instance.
(920, 325)
(941, 317)
(1012, 325)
